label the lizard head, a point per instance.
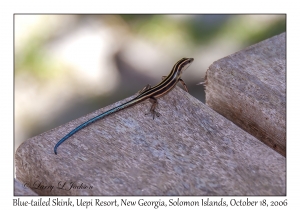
(183, 64)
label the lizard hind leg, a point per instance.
(147, 87)
(152, 109)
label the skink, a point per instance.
(152, 93)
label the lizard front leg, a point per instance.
(184, 85)
(180, 80)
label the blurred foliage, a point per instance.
(193, 29)
(30, 56)
(273, 29)
(196, 29)
(34, 60)
(202, 29)
(205, 28)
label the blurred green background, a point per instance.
(69, 65)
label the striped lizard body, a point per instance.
(152, 93)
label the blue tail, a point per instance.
(111, 111)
